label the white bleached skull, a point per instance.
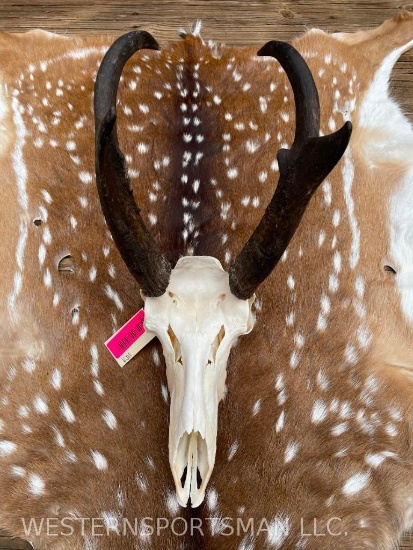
(197, 321)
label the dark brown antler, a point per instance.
(133, 240)
(302, 169)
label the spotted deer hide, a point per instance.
(315, 427)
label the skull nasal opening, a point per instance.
(176, 345)
(216, 344)
(198, 477)
(194, 470)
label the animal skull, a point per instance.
(197, 320)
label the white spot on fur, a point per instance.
(322, 380)
(7, 448)
(278, 530)
(333, 283)
(325, 305)
(98, 387)
(172, 503)
(279, 383)
(71, 145)
(350, 354)
(23, 411)
(256, 408)
(110, 419)
(294, 359)
(262, 177)
(142, 148)
(280, 422)
(339, 429)
(111, 521)
(321, 323)
(29, 365)
(356, 483)
(319, 411)
(94, 367)
(252, 146)
(290, 451)
(337, 262)
(47, 278)
(36, 485)
(85, 177)
(299, 340)
(17, 471)
(99, 460)
(232, 450)
(348, 178)
(336, 218)
(113, 295)
(391, 429)
(376, 459)
(289, 319)
(40, 405)
(212, 499)
(165, 393)
(58, 437)
(264, 105)
(327, 192)
(67, 412)
(83, 332)
(359, 286)
(142, 482)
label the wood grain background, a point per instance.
(232, 21)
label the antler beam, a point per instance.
(302, 169)
(133, 240)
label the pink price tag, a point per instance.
(129, 339)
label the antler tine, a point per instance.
(133, 240)
(302, 169)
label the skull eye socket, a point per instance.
(175, 345)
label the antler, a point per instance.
(302, 169)
(133, 240)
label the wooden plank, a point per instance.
(239, 22)
(407, 542)
(233, 21)
(8, 543)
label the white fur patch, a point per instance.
(394, 144)
(401, 241)
(356, 483)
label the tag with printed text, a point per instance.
(129, 339)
